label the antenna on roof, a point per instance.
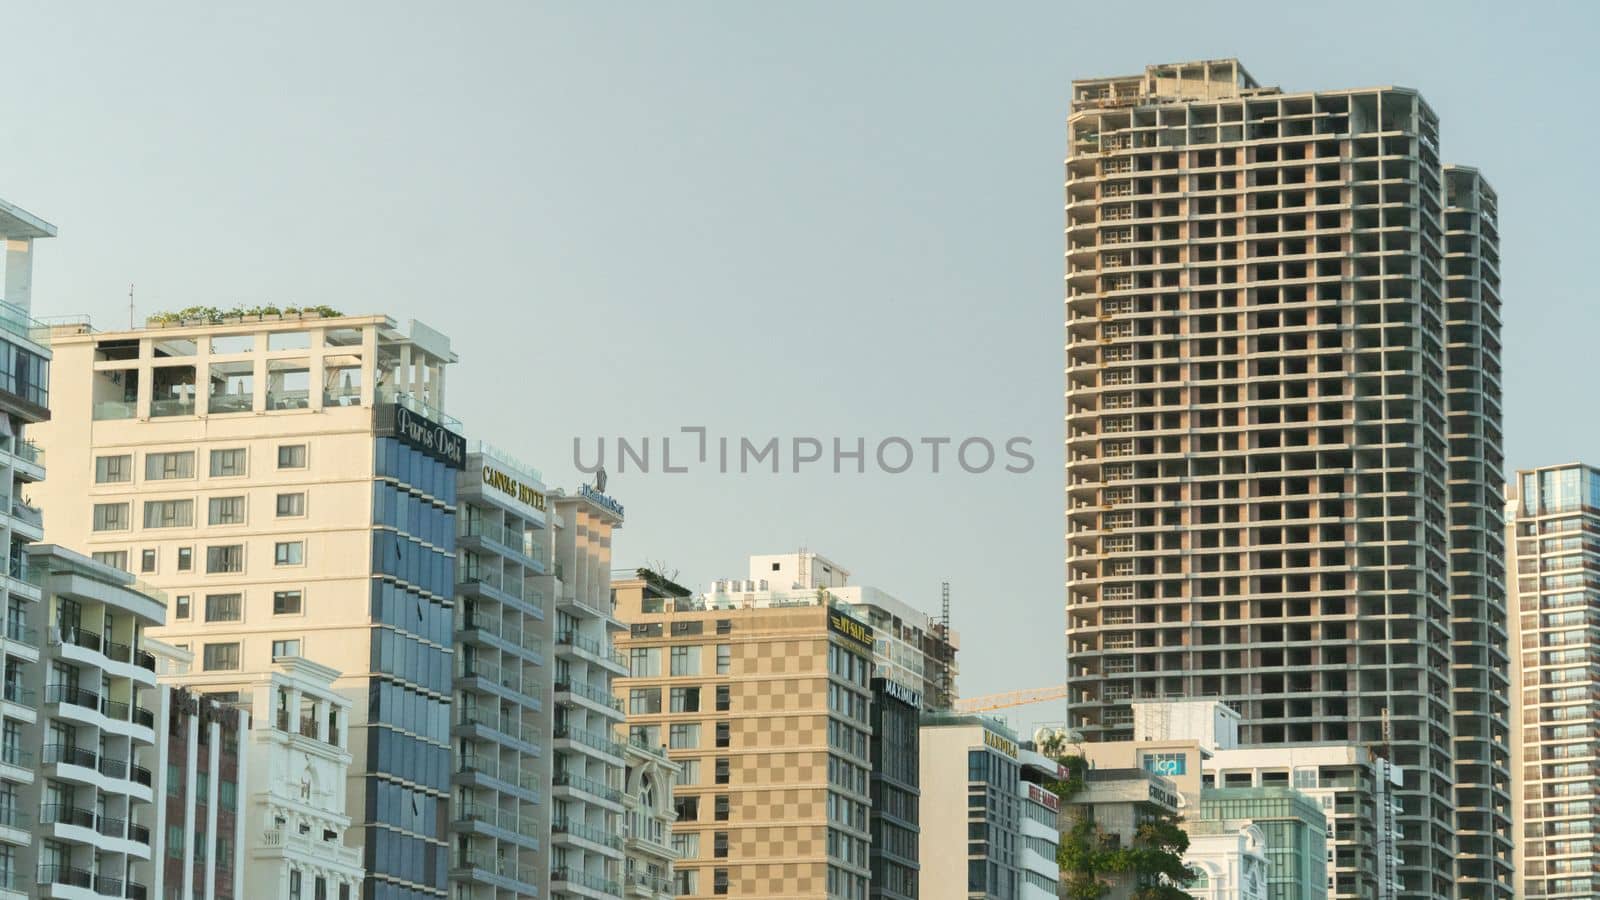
(130, 307)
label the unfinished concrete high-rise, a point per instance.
(1283, 436)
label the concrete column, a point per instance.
(214, 791)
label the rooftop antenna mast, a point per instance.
(945, 687)
(130, 306)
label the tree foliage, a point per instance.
(215, 315)
(1088, 857)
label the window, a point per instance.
(168, 513)
(685, 699)
(180, 606)
(682, 737)
(719, 881)
(167, 466)
(644, 662)
(113, 469)
(724, 658)
(111, 517)
(147, 561)
(685, 660)
(719, 845)
(688, 808)
(116, 559)
(220, 657)
(644, 701)
(291, 505)
(288, 553)
(227, 558)
(185, 559)
(292, 456)
(691, 772)
(723, 770)
(228, 463)
(224, 607)
(720, 808)
(285, 648)
(724, 698)
(286, 603)
(722, 734)
(294, 884)
(226, 511)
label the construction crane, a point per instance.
(1009, 699)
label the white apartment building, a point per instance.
(500, 813)
(100, 780)
(299, 767)
(983, 793)
(649, 814)
(289, 482)
(1229, 860)
(910, 647)
(24, 398)
(586, 808)
(1283, 440)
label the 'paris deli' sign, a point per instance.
(430, 437)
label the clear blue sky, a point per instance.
(804, 219)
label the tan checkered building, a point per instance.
(766, 708)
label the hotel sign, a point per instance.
(430, 437)
(601, 500)
(1043, 797)
(857, 635)
(526, 494)
(902, 693)
(997, 742)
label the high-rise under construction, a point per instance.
(1283, 437)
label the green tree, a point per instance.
(1088, 858)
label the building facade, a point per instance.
(200, 815)
(766, 709)
(290, 483)
(1294, 832)
(500, 813)
(911, 647)
(982, 791)
(1228, 859)
(1282, 411)
(100, 792)
(299, 772)
(586, 809)
(650, 811)
(24, 400)
(896, 788)
(1555, 532)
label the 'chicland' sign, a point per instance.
(430, 437)
(526, 494)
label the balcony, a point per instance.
(279, 838)
(590, 739)
(490, 767)
(498, 866)
(589, 692)
(494, 817)
(510, 726)
(17, 631)
(588, 786)
(644, 881)
(21, 696)
(590, 833)
(584, 880)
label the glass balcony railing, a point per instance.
(114, 409)
(584, 879)
(587, 785)
(412, 402)
(180, 406)
(231, 403)
(600, 742)
(589, 692)
(590, 833)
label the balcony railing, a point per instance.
(526, 732)
(491, 767)
(13, 817)
(653, 883)
(62, 814)
(67, 875)
(504, 867)
(590, 833)
(16, 693)
(505, 820)
(588, 738)
(70, 755)
(14, 755)
(589, 692)
(587, 785)
(584, 879)
(18, 630)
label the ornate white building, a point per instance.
(647, 797)
(1230, 859)
(299, 763)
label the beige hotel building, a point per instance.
(289, 482)
(765, 707)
